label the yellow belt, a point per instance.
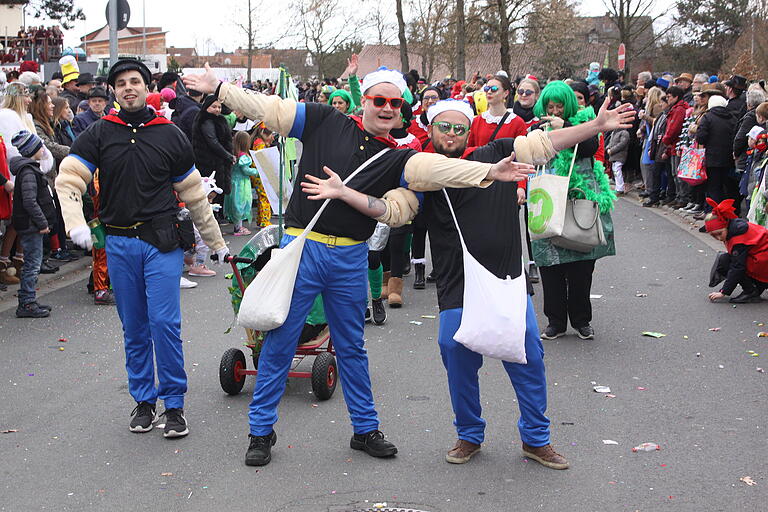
(125, 227)
(329, 240)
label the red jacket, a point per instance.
(419, 130)
(675, 118)
(6, 199)
(485, 124)
(756, 239)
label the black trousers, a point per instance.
(419, 246)
(393, 257)
(748, 284)
(566, 293)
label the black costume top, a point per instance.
(139, 156)
(489, 221)
(332, 139)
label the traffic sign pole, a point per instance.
(112, 9)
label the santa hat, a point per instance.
(69, 69)
(721, 214)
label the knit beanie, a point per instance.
(27, 143)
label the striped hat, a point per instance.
(27, 143)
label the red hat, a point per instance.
(153, 100)
(29, 65)
(721, 214)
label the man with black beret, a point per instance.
(142, 160)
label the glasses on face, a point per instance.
(430, 98)
(458, 129)
(380, 101)
(491, 88)
(525, 92)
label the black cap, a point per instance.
(123, 65)
(85, 79)
(98, 92)
(737, 82)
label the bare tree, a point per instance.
(404, 64)
(247, 26)
(427, 32)
(324, 29)
(549, 32)
(634, 21)
(381, 23)
(461, 41)
(505, 18)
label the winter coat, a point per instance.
(675, 118)
(33, 208)
(58, 151)
(63, 133)
(83, 120)
(618, 146)
(738, 106)
(185, 110)
(73, 98)
(212, 142)
(715, 132)
(740, 146)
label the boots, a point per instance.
(395, 290)
(5, 277)
(385, 285)
(419, 282)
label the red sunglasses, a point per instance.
(380, 101)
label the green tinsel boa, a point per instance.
(562, 164)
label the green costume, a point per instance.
(588, 175)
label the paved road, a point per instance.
(702, 400)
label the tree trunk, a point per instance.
(461, 36)
(250, 40)
(501, 6)
(404, 65)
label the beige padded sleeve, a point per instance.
(191, 192)
(426, 172)
(71, 183)
(276, 113)
(402, 207)
(535, 148)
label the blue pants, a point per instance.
(529, 381)
(146, 286)
(340, 274)
(32, 244)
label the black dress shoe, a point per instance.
(431, 277)
(419, 281)
(650, 203)
(260, 450)
(644, 194)
(746, 298)
(373, 443)
(47, 268)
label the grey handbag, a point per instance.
(582, 229)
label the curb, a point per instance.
(69, 273)
(683, 222)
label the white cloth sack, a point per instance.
(267, 300)
(493, 319)
(547, 198)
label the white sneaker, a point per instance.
(186, 283)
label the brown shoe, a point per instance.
(546, 456)
(5, 277)
(395, 289)
(385, 285)
(462, 452)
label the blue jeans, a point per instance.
(340, 274)
(32, 244)
(528, 380)
(146, 286)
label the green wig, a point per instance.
(557, 92)
(344, 95)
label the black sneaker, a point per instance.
(45, 307)
(552, 332)
(144, 415)
(368, 315)
(586, 332)
(373, 443)
(431, 278)
(746, 298)
(47, 268)
(31, 310)
(649, 203)
(104, 298)
(175, 424)
(379, 312)
(260, 450)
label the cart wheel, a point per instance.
(232, 361)
(324, 376)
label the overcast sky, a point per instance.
(195, 22)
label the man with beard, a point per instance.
(490, 222)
